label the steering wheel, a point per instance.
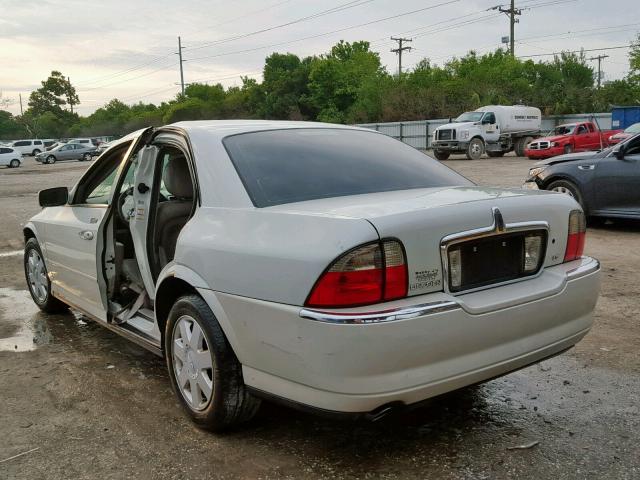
(126, 206)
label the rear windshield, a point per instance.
(294, 165)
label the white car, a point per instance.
(28, 147)
(87, 142)
(324, 266)
(9, 157)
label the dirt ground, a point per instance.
(79, 402)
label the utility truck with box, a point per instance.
(494, 129)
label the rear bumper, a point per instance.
(358, 361)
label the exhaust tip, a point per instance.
(384, 411)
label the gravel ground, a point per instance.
(79, 402)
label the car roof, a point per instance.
(223, 128)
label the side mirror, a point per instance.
(53, 197)
(619, 152)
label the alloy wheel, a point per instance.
(192, 363)
(561, 189)
(38, 280)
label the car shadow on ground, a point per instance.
(614, 224)
(75, 334)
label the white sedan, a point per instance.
(9, 157)
(328, 267)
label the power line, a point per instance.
(575, 51)
(511, 12)
(339, 8)
(123, 72)
(574, 32)
(125, 80)
(372, 22)
(180, 48)
(248, 14)
(399, 51)
(599, 58)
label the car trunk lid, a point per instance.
(421, 219)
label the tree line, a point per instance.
(348, 84)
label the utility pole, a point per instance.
(599, 58)
(180, 48)
(511, 12)
(399, 51)
(71, 99)
(20, 95)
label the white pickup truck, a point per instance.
(494, 129)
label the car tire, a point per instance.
(475, 149)
(441, 155)
(15, 163)
(567, 187)
(219, 373)
(35, 152)
(519, 146)
(86, 157)
(495, 154)
(37, 277)
(51, 159)
(568, 149)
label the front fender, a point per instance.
(30, 230)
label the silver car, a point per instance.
(67, 151)
(325, 266)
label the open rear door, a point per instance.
(139, 222)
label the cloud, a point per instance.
(125, 49)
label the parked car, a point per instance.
(84, 141)
(626, 133)
(9, 157)
(54, 145)
(604, 183)
(325, 266)
(48, 143)
(66, 151)
(572, 137)
(102, 148)
(28, 147)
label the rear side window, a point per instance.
(23, 143)
(5, 150)
(295, 165)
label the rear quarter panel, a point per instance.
(266, 255)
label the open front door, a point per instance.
(139, 222)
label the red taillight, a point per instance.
(369, 274)
(576, 236)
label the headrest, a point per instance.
(177, 179)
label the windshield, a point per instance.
(295, 165)
(470, 117)
(635, 128)
(563, 130)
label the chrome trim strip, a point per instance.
(391, 315)
(585, 269)
(497, 227)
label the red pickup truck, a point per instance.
(572, 137)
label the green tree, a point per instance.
(335, 79)
(286, 87)
(56, 92)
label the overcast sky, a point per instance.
(126, 49)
